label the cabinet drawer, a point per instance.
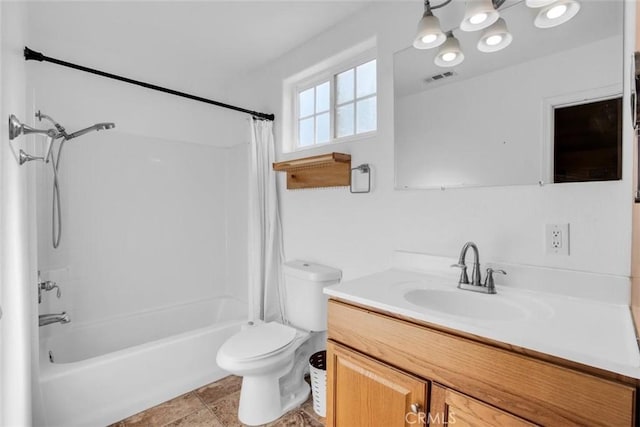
(533, 389)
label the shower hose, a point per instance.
(56, 213)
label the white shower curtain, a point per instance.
(265, 230)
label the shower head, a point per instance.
(96, 127)
(16, 129)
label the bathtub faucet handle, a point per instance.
(47, 285)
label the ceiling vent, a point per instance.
(441, 76)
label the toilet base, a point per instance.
(265, 398)
(261, 402)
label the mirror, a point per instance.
(490, 120)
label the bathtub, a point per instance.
(99, 373)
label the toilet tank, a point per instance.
(305, 304)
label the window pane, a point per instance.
(322, 128)
(366, 74)
(366, 115)
(322, 97)
(344, 86)
(305, 102)
(344, 120)
(305, 132)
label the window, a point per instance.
(338, 106)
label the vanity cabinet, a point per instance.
(379, 365)
(369, 393)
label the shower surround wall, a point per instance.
(152, 211)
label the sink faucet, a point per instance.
(47, 319)
(488, 287)
(475, 273)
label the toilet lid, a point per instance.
(258, 340)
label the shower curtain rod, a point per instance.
(38, 56)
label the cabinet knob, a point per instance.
(415, 408)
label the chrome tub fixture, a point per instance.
(16, 128)
(47, 319)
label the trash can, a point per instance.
(318, 373)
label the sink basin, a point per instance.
(469, 304)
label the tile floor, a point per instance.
(214, 405)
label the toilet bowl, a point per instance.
(262, 355)
(272, 357)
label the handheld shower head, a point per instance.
(96, 127)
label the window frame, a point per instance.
(330, 75)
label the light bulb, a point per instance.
(478, 18)
(450, 53)
(428, 34)
(493, 40)
(557, 11)
(449, 56)
(429, 38)
(478, 15)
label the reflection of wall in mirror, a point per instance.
(488, 130)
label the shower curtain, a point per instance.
(265, 229)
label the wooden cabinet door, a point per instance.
(449, 407)
(363, 392)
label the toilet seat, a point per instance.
(259, 341)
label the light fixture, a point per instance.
(450, 53)
(429, 33)
(483, 15)
(538, 3)
(479, 14)
(556, 13)
(495, 38)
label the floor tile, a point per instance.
(296, 418)
(226, 410)
(166, 412)
(214, 405)
(202, 418)
(308, 408)
(219, 389)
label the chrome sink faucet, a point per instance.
(488, 287)
(475, 273)
(47, 319)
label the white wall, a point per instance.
(358, 232)
(18, 364)
(150, 208)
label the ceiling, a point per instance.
(191, 46)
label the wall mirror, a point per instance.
(490, 120)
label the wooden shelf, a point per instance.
(325, 170)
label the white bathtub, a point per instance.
(106, 371)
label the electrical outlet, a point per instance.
(557, 239)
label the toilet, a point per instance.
(272, 357)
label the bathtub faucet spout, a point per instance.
(47, 319)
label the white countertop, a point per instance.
(598, 334)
